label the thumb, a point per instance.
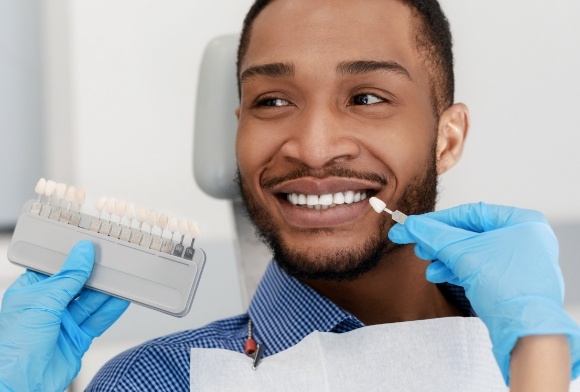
(75, 271)
(432, 236)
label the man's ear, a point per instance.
(451, 135)
(238, 113)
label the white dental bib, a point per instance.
(445, 354)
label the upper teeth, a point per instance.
(325, 201)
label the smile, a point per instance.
(325, 201)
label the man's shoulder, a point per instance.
(163, 363)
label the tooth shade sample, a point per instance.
(377, 204)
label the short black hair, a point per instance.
(432, 38)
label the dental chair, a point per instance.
(214, 160)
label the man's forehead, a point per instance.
(330, 30)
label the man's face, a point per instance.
(335, 101)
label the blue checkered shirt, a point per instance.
(283, 312)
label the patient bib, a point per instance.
(444, 354)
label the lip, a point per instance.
(317, 186)
(341, 215)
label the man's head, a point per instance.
(432, 38)
(343, 98)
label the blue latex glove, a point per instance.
(507, 261)
(44, 330)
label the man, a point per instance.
(341, 101)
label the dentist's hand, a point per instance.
(507, 261)
(48, 323)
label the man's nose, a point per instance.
(321, 137)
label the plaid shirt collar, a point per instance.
(284, 311)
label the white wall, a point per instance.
(517, 68)
(133, 67)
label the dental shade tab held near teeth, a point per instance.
(133, 260)
(380, 206)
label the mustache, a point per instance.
(332, 171)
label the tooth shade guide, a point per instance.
(62, 203)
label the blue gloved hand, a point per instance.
(507, 261)
(45, 328)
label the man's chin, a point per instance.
(336, 264)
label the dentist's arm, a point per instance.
(48, 323)
(507, 261)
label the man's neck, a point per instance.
(396, 290)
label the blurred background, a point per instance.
(101, 95)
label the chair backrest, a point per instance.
(214, 161)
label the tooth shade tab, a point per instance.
(79, 197)
(162, 221)
(60, 190)
(194, 230)
(120, 208)
(380, 206)
(111, 206)
(377, 204)
(151, 218)
(183, 227)
(101, 202)
(131, 211)
(70, 193)
(40, 186)
(50, 187)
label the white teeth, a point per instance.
(349, 197)
(312, 200)
(327, 200)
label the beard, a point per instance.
(346, 263)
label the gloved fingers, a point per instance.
(104, 316)
(75, 271)
(437, 272)
(429, 234)
(399, 235)
(26, 279)
(480, 217)
(74, 335)
(422, 254)
(87, 303)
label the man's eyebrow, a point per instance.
(365, 66)
(273, 70)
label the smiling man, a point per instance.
(355, 102)
(341, 100)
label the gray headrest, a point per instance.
(214, 161)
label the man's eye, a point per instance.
(272, 102)
(366, 99)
